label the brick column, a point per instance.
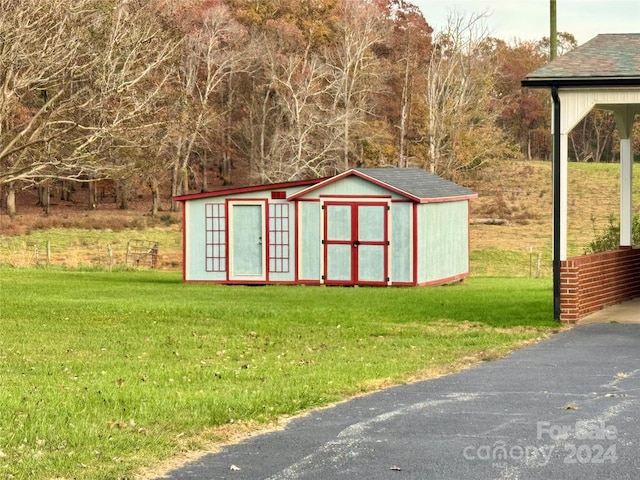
(569, 291)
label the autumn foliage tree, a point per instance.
(524, 114)
(313, 100)
(461, 85)
(178, 96)
(208, 54)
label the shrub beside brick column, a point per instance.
(591, 282)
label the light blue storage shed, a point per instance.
(368, 226)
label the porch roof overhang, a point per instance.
(607, 60)
(581, 82)
(603, 73)
(606, 69)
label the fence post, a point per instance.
(48, 252)
(110, 251)
(126, 260)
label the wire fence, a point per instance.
(135, 253)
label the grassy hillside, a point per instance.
(520, 193)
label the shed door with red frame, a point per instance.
(355, 243)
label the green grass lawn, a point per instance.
(105, 374)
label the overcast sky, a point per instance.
(529, 19)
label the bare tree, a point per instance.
(303, 144)
(39, 65)
(75, 87)
(592, 139)
(206, 59)
(128, 79)
(462, 129)
(357, 75)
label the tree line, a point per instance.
(187, 95)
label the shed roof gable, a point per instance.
(418, 183)
(412, 183)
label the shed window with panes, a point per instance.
(279, 238)
(215, 239)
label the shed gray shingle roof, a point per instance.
(603, 58)
(417, 183)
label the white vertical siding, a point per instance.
(443, 240)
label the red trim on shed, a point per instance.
(184, 242)
(275, 191)
(442, 281)
(356, 196)
(348, 173)
(254, 188)
(415, 244)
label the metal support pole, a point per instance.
(556, 202)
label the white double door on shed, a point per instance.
(356, 243)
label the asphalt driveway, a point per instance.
(566, 408)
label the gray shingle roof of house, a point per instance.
(417, 183)
(606, 58)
